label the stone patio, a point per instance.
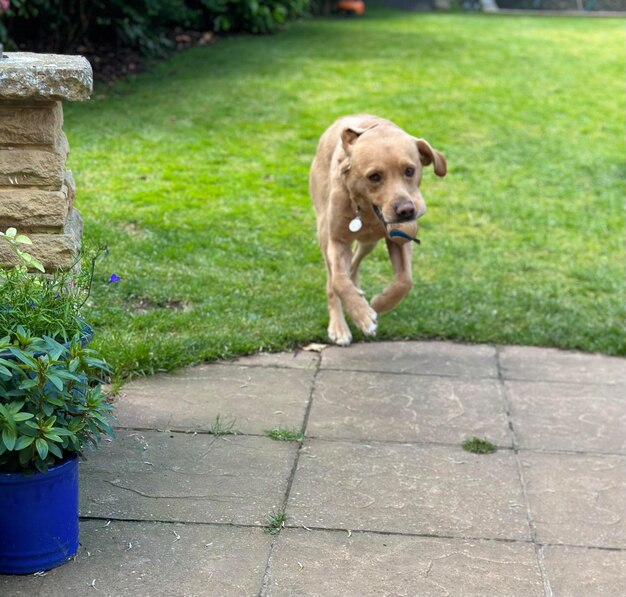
(380, 498)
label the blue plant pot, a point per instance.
(38, 518)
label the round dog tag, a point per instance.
(355, 225)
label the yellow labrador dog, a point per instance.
(364, 184)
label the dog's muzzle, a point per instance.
(396, 234)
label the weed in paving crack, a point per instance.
(479, 446)
(221, 427)
(285, 435)
(275, 522)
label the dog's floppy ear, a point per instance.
(428, 156)
(348, 138)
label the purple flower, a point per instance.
(4, 5)
(114, 278)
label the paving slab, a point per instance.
(332, 564)
(577, 499)
(572, 417)
(186, 478)
(130, 559)
(253, 398)
(433, 490)
(430, 358)
(549, 364)
(300, 359)
(584, 572)
(20, 586)
(396, 407)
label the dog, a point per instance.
(364, 183)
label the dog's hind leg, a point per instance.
(400, 256)
(362, 251)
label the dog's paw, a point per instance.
(371, 329)
(365, 320)
(339, 334)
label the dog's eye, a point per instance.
(409, 172)
(375, 177)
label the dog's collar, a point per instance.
(379, 215)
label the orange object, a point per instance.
(355, 6)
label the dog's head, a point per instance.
(384, 167)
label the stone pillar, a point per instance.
(36, 191)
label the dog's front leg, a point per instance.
(400, 256)
(362, 251)
(338, 330)
(339, 257)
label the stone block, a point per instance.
(180, 477)
(34, 210)
(364, 406)
(300, 359)
(55, 251)
(135, 559)
(68, 181)
(564, 416)
(584, 572)
(139, 559)
(29, 76)
(411, 489)
(417, 358)
(254, 399)
(34, 166)
(30, 124)
(329, 563)
(577, 499)
(529, 363)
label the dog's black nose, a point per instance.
(405, 210)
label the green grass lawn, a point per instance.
(195, 176)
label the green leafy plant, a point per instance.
(65, 25)
(254, 16)
(51, 402)
(42, 303)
